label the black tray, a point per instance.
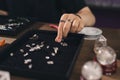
(12, 58)
(12, 26)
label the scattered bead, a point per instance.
(21, 50)
(37, 47)
(41, 45)
(53, 54)
(42, 42)
(35, 36)
(2, 27)
(25, 54)
(50, 62)
(11, 54)
(55, 49)
(27, 61)
(47, 57)
(33, 44)
(27, 45)
(64, 44)
(30, 66)
(31, 49)
(48, 47)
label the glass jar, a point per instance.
(107, 58)
(100, 42)
(91, 70)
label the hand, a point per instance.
(69, 23)
(4, 13)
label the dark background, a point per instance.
(107, 12)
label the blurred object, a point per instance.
(100, 42)
(106, 56)
(91, 70)
(104, 3)
(4, 13)
(13, 25)
(4, 75)
(91, 33)
(107, 12)
(116, 3)
(2, 42)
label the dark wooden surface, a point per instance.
(86, 53)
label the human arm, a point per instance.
(3, 10)
(72, 23)
(4, 13)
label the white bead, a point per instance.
(30, 66)
(50, 62)
(21, 50)
(53, 54)
(25, 54)
(64, 44)
(28, 45)
(11, 54)
(48, 47)
(47, 57)
(27, 61)
(33, 44)
(55, 49)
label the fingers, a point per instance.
(3, 13)
(68, 23)
(75, 26)
(60, 28)
(81, 26)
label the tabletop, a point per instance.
(86, 53)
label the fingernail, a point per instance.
(58, 39)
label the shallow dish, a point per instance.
(91, 33)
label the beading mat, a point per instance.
(36, 55)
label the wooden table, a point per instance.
(86, 53)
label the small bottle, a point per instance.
(91, 70)
(107, 58)
(100, 42)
